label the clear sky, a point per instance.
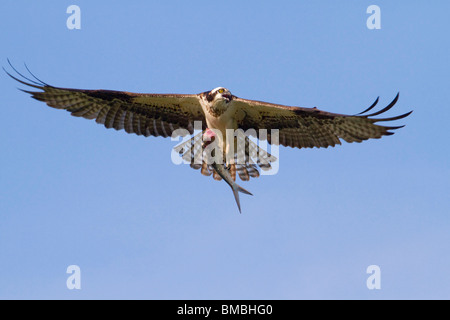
(138, 226)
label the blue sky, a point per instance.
(139, 227)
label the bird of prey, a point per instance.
(151, 114)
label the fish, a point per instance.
(225, 174)
(222, 170)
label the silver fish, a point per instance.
(223, 171)
(225, 174)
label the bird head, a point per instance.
(219, 94)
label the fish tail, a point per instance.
(240, 189)
(236, 197)
(236, 189)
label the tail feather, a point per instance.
(245, 165)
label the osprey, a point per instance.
(151, 114)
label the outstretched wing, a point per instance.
(142, 114)
(311, 127)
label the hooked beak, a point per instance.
(227, 96)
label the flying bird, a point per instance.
(151, 114)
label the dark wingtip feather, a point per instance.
(389, 106)
(39, 80)
(21, 81)
(370, 108)
(393, 128)
(26, 91)
(31, 83)
(394, 118)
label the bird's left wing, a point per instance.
(139, 113)
(311, 127)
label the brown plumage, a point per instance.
(161, 114)
(311, 127)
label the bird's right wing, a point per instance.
(139, 113)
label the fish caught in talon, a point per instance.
(223, 171)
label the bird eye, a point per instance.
(221, 90)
